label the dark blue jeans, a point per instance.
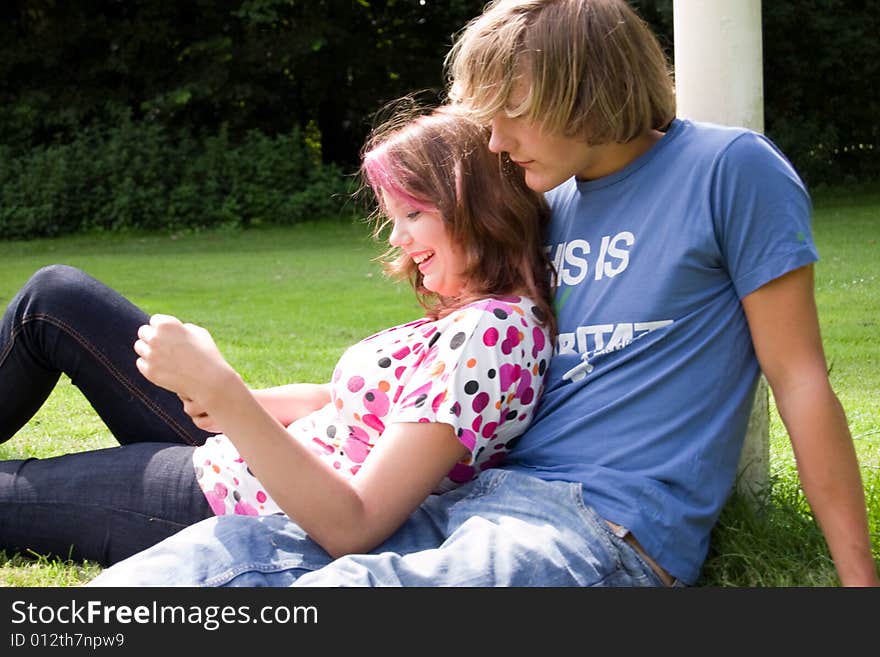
(101, 505)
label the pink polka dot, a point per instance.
(261, 497)
(356, 450)
(418, 395)
(489, 429)
(507, 375)
(511, 340)
(376, 402)
(220, 490)
(480, 402)
(490, 337)
(373, 422)
(493, 461)
(217, 505)
(525, 387)
(242, 508)
(355, 383)
(461, 473)
(539, 338)
(322, 446)
(468, 438)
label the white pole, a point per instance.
(719, 61)
(719, 78)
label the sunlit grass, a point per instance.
(284, 303)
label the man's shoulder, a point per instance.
(714, 140)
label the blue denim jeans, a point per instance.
(102, 505)
(503, 529)
(63, 321)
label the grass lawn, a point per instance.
(283, 303)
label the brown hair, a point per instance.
(587, 68)
(441, 161)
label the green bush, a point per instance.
(137, 175)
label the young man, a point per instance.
(684, 257)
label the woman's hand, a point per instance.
(180, 357)
(200, 417)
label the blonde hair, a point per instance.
(585, 68)
(441, 161)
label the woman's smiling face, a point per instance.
(422, 235)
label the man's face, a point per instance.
(551, 158)
(548, 159)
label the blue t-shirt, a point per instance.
(651, 384)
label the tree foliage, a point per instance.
(822, 86)
(323, 68)
(322, 65)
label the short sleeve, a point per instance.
(762, 213)
(483, 375)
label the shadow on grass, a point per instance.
(768, 540)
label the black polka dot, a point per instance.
(500, 314)
(510, 444)
(236, 495)
(511, 415)
(434, 339)
(457, 340)
(542, 367)
(471, 387)
(331, 431)
(491, 373)
(385, 362)
(420, 400)
(369, 396)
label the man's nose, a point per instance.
(499, 140)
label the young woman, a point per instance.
(413, 410)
